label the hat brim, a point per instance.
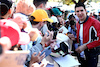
(49, 20)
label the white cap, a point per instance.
(54, 19)
(67, 20)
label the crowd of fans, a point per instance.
(34, 27)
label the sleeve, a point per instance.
(95, 43)
(36, 48)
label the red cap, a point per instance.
(11, 29)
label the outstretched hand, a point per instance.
(71, 36)
(81, 48)
(36, 58)
(47, 38)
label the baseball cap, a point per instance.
(67, 20)
(11, 29)
(57, 12)
(54, 19)
(40, 15)
(5, 5)
(8, 31)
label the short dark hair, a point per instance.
(38, 2)
(72, 22)
(80, 4)
(5, 5)
(51, 12)
(71, 16)
(31, 19)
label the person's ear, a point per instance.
(40, 23)
(9, 11)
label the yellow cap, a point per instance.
(41, 15)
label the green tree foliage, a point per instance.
(68, 2)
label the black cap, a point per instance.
(5, 5)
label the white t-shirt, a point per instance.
(81, 33)
(81, 38)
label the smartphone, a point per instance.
(55, 34)
(47, 51)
